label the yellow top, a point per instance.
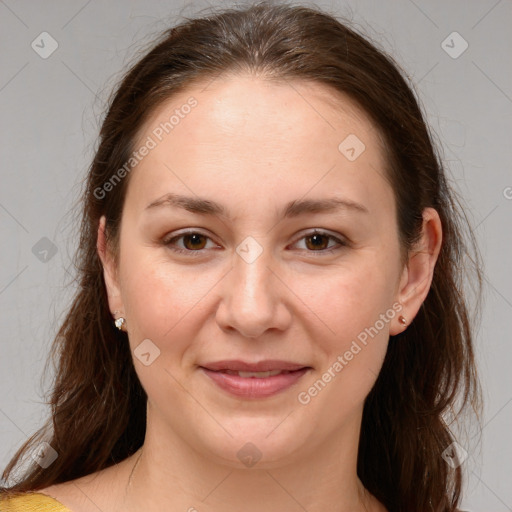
(32, 502)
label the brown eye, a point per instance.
(317, 241)
(321, 242)
(194, 241)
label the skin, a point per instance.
(253, 146)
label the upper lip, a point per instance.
(262, 366)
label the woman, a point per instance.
(270, 313)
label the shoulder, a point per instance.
(31, 502)
(101, 490)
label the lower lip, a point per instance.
(254, 387)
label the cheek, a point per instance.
(165, 302)
(353, 311)
(348, 299)
(157, 296)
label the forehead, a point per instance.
(243, 105)
(240, 129)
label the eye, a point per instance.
(318, 241)
(192, 242)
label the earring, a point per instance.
(119, 323)
(402, 320)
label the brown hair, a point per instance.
(98, 404)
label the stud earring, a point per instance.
(402, 320)
(119, 323)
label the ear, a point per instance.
(418, 273)
(109, 272)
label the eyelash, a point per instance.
(169, 243)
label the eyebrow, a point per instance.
(292, 209)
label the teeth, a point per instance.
(258, 375)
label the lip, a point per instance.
(254, 387)
(262, 366)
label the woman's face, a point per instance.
(219, 262)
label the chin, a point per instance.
(262, 444)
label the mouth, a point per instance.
(256, 375)
(254, 380)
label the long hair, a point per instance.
(97, 402)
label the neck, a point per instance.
(169, 474)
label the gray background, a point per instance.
(50, 114)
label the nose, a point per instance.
(253, 299)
